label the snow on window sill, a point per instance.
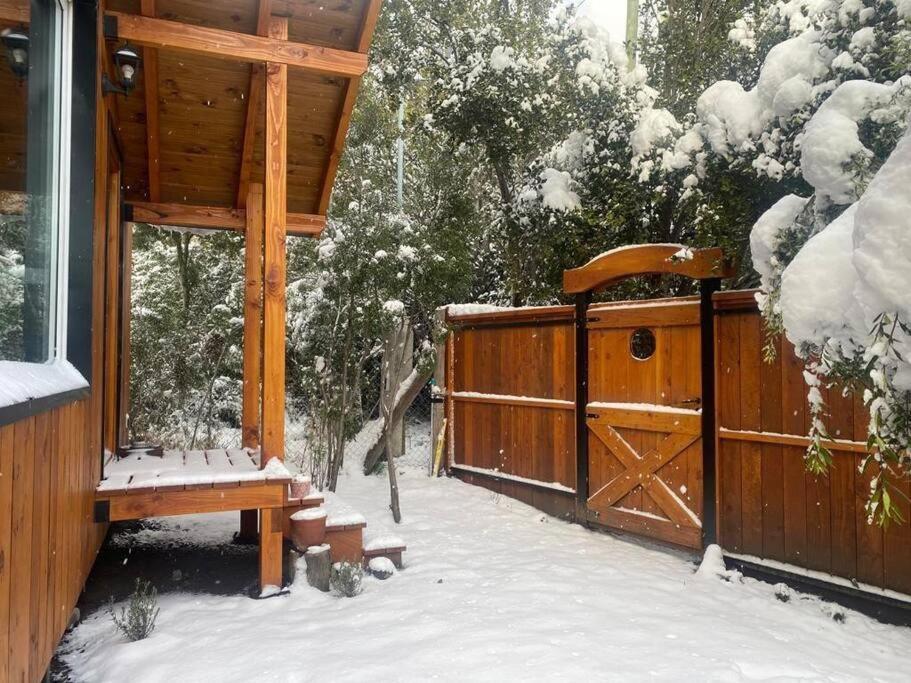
(24, 382)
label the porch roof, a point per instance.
(192, 132)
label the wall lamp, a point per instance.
(127, 62)
(15, 40)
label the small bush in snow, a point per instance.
(782, 592)
(347, 578)
(137, 620)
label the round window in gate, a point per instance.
(642, 344)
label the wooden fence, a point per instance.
(769, 506)
(510, 406)
(512, 399)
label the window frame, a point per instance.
(69, 367)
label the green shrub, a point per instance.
(137, 620)
(347, 578)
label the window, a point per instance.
(34, 181)
(642, 344)
(35, 83)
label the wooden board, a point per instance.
(195, 501)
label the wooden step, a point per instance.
(346, 542)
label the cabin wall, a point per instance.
(48, 539)
(50, 461)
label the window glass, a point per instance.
(34, 85)
(642, 343)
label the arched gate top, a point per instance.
(646, 259)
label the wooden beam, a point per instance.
(216, 218)
(14, 11)
(790, 440)
(646, 259)
(187, 216)
(253, 308)
(251, 420)
(153, 127)
(194, 501)
(273, 438)
(173, 35)
(126, 296)
(254, 100)
(368, 25)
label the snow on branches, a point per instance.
(835, 264)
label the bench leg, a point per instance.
(270, 548)
(249, 521)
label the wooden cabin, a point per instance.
(227, 115)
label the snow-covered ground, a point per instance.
(492, 590)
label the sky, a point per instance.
(609, 13)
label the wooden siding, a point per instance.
(769, 505)
(48, 539)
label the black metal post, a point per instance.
(582, 302)
(707, 345)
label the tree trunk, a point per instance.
(319, 566)
(411, 387)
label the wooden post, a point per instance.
(270, 548)
(273, 437)
(437, 402)
(251, 420)
(707, 349)
(581, 371)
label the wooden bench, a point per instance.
(189, 482)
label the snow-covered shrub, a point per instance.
(347, 579)
(834, 260)
(137, 619)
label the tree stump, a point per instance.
(319, 566)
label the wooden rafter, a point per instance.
(153, 127)
(174, 35)
(368, 25)
(217, 218)
(254, 100)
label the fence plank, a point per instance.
(772, 468)
(750, 419)
(730, 524)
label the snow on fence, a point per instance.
(509, 379)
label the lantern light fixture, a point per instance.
(127, 62)
(15, 40)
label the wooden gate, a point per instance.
(644, 421)
(642, 464)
